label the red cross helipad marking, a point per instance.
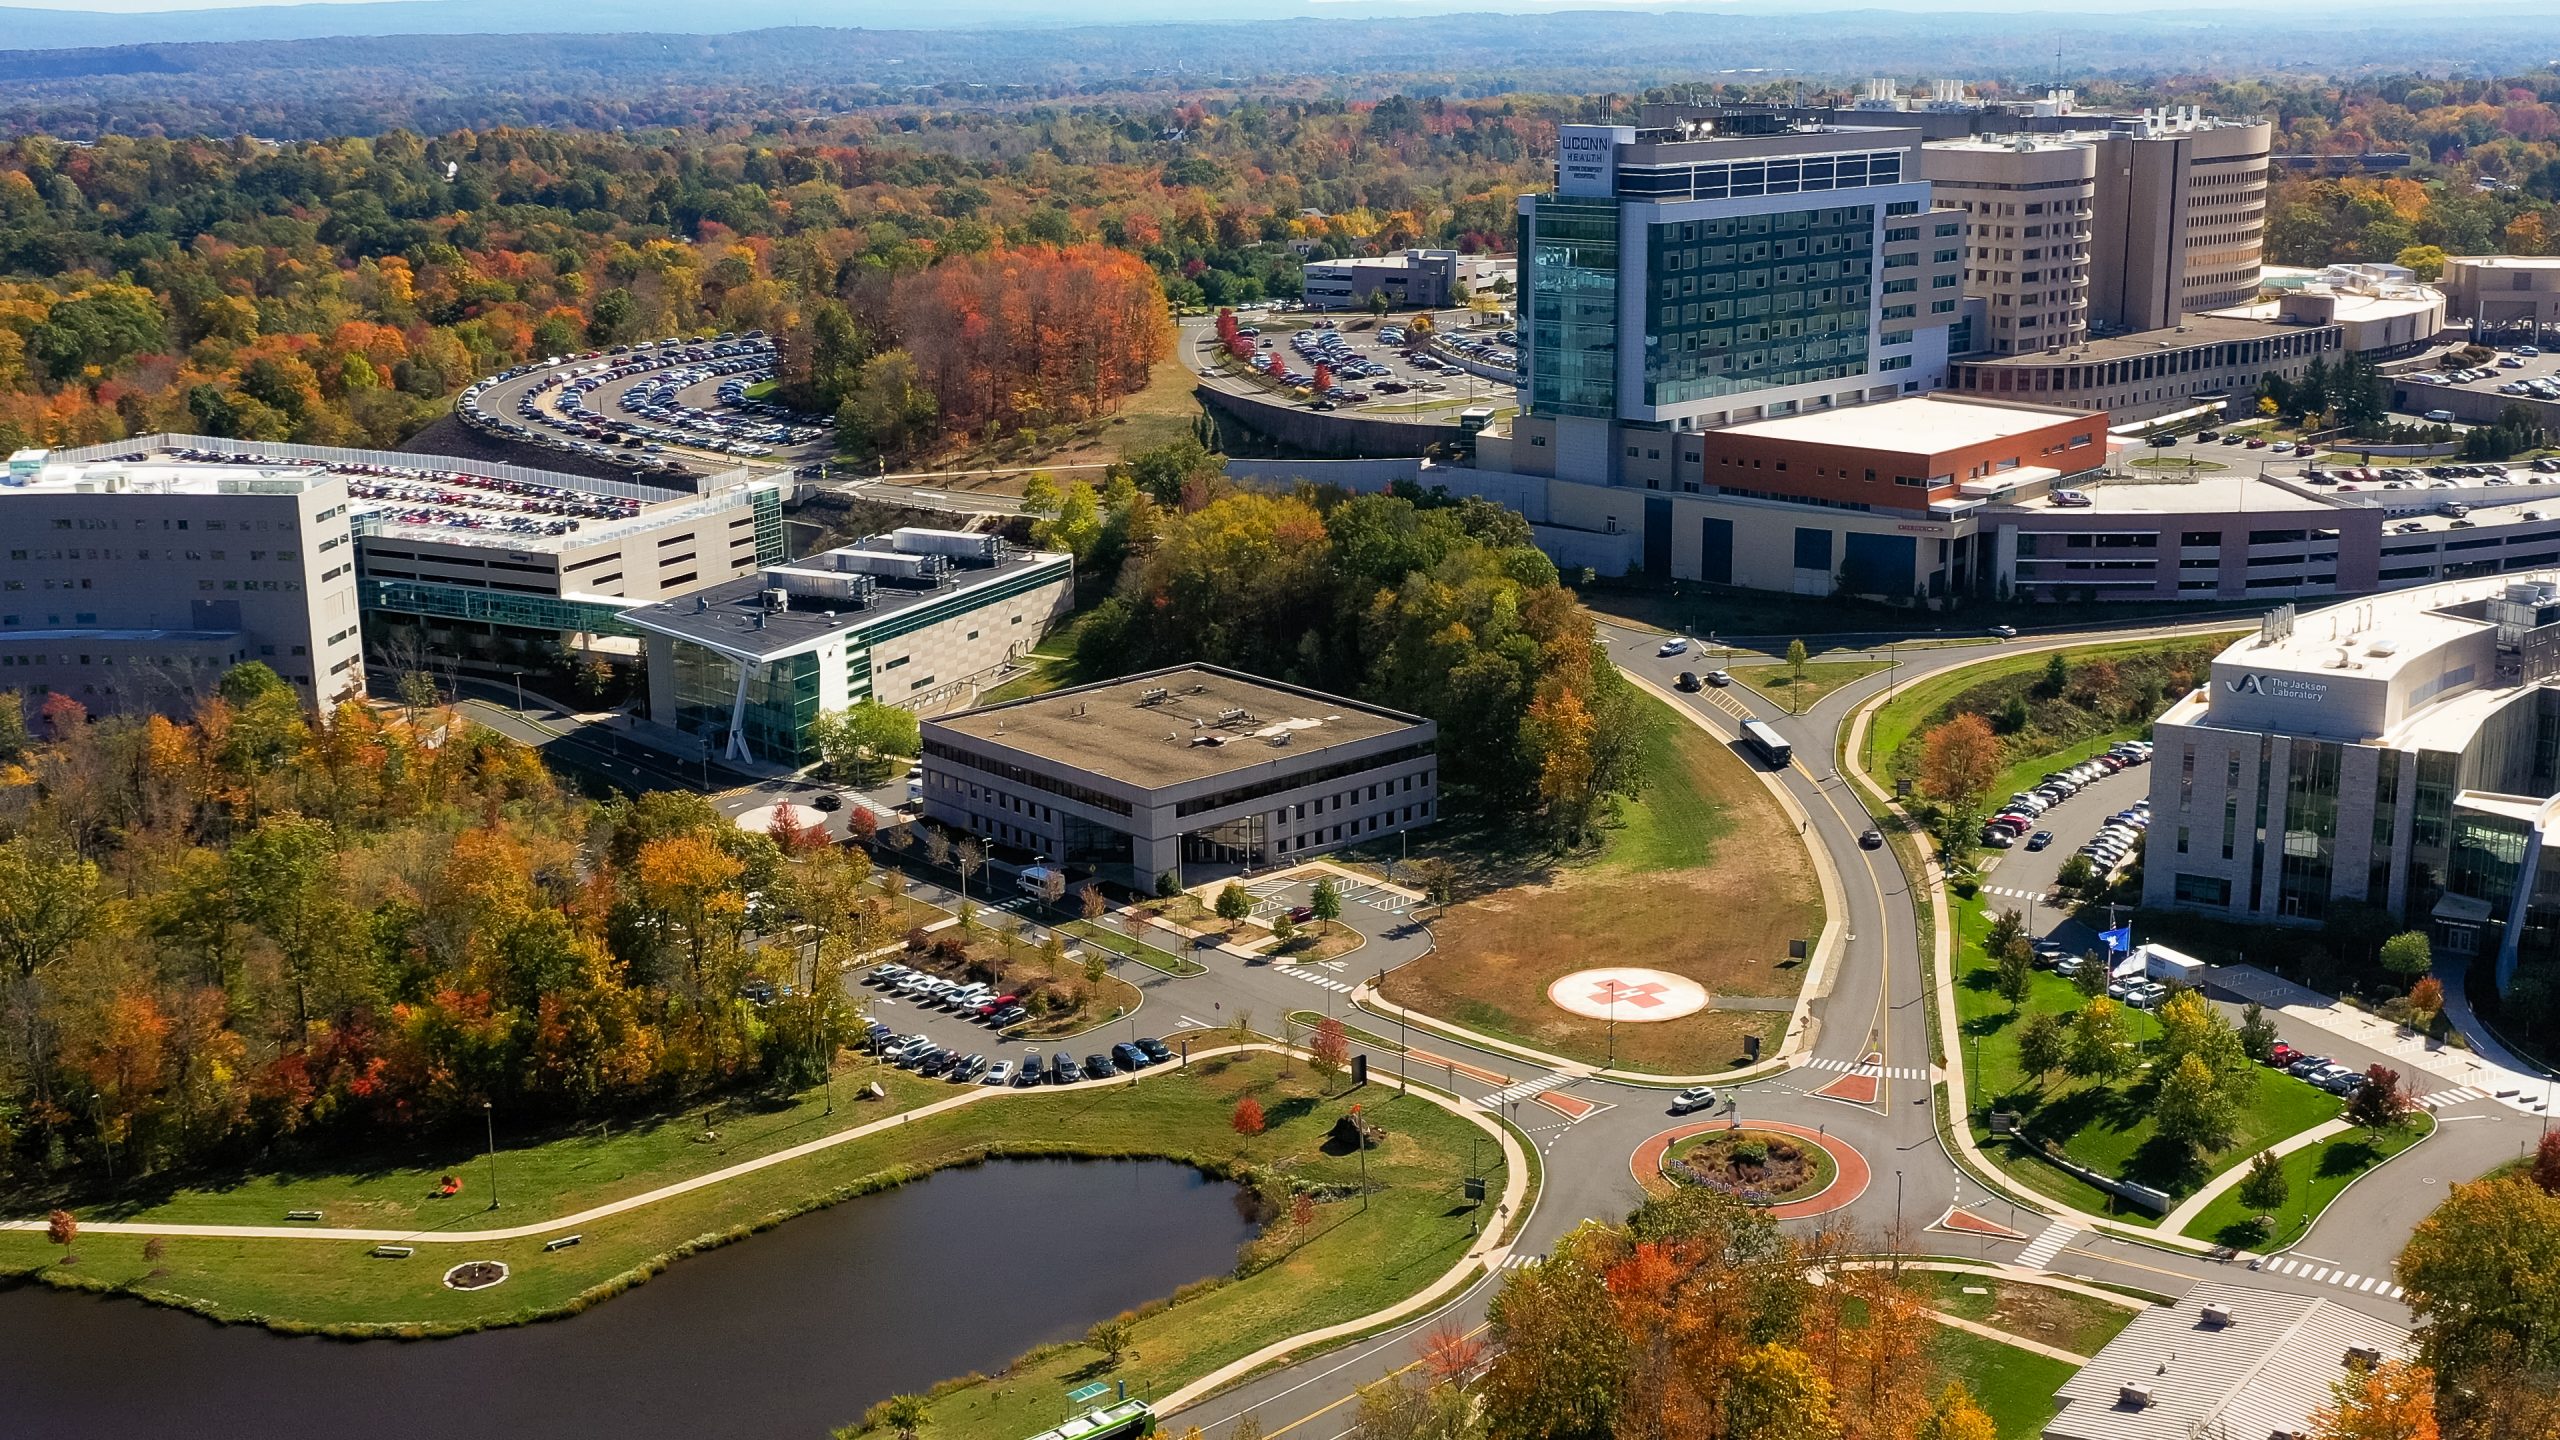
(1619, 992)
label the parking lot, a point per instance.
(943, 1029)
(2021, 876)
(663, 407)
(2521, 372)
(1385, 368)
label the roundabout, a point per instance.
(1627, 994)
(1808, 1194)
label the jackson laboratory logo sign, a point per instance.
(2279, 687)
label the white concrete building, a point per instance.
(131, 584)
(916, 618)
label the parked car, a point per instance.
(2040, 839)
(1062, 1069)
(1032, 1072)
(1097, 1067)
(2305, 1066)
(1157, 1052)
(2280, 1055)
(1128, 1056)
(1696, 1097)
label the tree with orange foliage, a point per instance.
(1958, 761)
(1247, 1117)
(2395, 1400)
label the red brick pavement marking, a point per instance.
(1846, 1186)
(1565, 1105)
(1461, 1066)
(1965, 1222)
(1852, 1089)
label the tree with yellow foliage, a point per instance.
(2395, 1400)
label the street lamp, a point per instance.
(489, 1114)
(519, 691)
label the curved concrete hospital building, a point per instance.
(2402, 751)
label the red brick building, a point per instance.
(1904, 454)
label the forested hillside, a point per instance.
(341, 291)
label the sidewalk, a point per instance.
(2176, 1221)
(2487, 1067)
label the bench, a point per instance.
(393, 1252)
(563, 1243)
(302, 1215)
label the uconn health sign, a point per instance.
(1587, 158)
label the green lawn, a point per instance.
(1050, 667)
(1821, 677)
(1100, 938)
(1896, 721)
(1673, 823)
(2104, 1125)
(2015, 1387)
(1351, 1263)
(2316, 1174)
(2040, 1313)
(762, 389)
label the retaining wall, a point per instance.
(1339, 434)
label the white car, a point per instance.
(1000, 1073)
(1677, 645)
(1696, 1097)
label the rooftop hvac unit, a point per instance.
(2217, 1316)
(777, 599)
(957, 544)
(2134, 1397)
(1233, 714)
(2362, 1357)
(1154, 695)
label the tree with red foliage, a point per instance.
(1329, 1049)
(61, 1228)
(2546, 1164)
(1247, 1119)
(1324, 377)
(864, 825)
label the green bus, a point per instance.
(1124, 1420)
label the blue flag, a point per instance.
(2120, 939)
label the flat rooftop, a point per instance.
(2261, 1371)
(733, 618)
(1926, 423)
(2366, 305)
(2409, 624)
(411, 497)
(2207, 493)
(2198, 330)
(1107, 730)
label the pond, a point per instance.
(780, 1337)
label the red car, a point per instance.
(2282, 1055)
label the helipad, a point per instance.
(1627, 994)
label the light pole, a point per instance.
(106, 1143)
(519, 691)
(490, 1114)
(1897, 1210)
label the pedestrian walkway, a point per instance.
(1522, 1090)
(2014, 893)
(2320, 1272)
(1868, 1067)
(1339, 987)
(1518, 1261)
(2052, 1242)
(2460, 1095)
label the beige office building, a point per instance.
(2181, 218)
(2027, 201)
(2504, 292)
(2209, 359)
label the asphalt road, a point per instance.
(1873, 1006)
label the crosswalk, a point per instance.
(2013, 892)
(1312, 977)
(2338, 1275)
(2040, 1252)
(2459, 1095)
(1523, 1089)
(1520, 1261)
(1856, 1067)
